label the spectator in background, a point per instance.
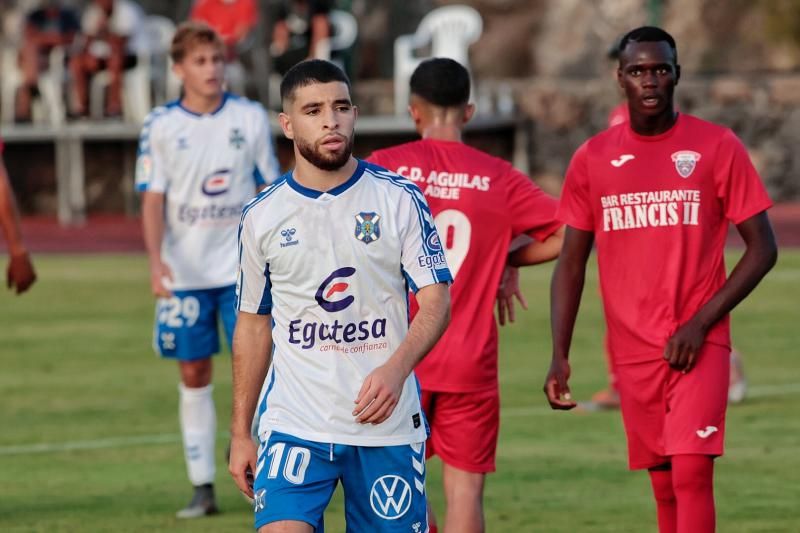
(233, 20)
(47, 27)
(113, 37)
(19, 273)
(300, 26)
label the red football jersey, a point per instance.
(659, 208)
(479, 204)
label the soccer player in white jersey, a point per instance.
(201, 159)
(327, 256)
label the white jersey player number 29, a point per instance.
(455, 231)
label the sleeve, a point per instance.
(575, 207)
(532, 211)
(151, 166)
(738, 184)
(266, 168)
(423, 261)
(253, 286)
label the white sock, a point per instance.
(199, 428)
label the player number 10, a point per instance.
(294, 471)
(455, 232)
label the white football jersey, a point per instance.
(208, 166)
(334, 270)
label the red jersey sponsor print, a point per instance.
(479, 203)
(659, 207)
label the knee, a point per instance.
(196, 374)
(692, 473)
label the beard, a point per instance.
(329, 162)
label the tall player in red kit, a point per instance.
(656, 196)
(480, 203)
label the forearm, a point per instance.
(9, 216)
(153, 225)
(566, 290)
(758, 259)
(425, 330)
(252, 346)
(538, 252)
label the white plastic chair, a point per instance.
(51, 106)
(137, 84)
(448, 31)
(343, 35)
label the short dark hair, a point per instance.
(649, 34)
(308, 72)
(442, 82)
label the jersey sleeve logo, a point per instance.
(368, 227)
(217, 182)
(685, 162)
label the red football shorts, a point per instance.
(464, 427)
(667, 412)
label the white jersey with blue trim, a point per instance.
(334, 270)
(208, 167)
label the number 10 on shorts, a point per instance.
(294, 469)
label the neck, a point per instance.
(201, 104)
(655, 125)
(441, 131)
(308, 175)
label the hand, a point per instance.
(379, 394)
(556, 387)
(508, 289)
(160, 280)
(684, 345)
(243, 459)
(20, 273)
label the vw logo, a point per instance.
(390, 497)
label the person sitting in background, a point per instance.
(19, 273)
(233, 20)
(113, 38)
(47, 27)
(300, 25)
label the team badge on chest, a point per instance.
(685, 161)
(368, 227)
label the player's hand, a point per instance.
(555, 385)
(506, 292)
(243, 459)
(20, 273)
(684, 345)
(160, 280)
(379, 394)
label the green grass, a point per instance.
(77, 367)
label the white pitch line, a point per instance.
(760, 391)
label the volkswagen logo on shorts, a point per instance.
(217, 182)
(330, 287)
(390, 497)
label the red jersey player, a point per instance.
(656, 196)
(480, 203)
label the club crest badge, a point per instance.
(368, 227)
(685, 162)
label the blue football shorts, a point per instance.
(187, 324)
(384, 486)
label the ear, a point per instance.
(619, 79)
(415, 113)
(286, 125)
(677, 73)
(469, 112)
(355, 112)
(177, 69)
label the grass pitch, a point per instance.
(89, 433)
